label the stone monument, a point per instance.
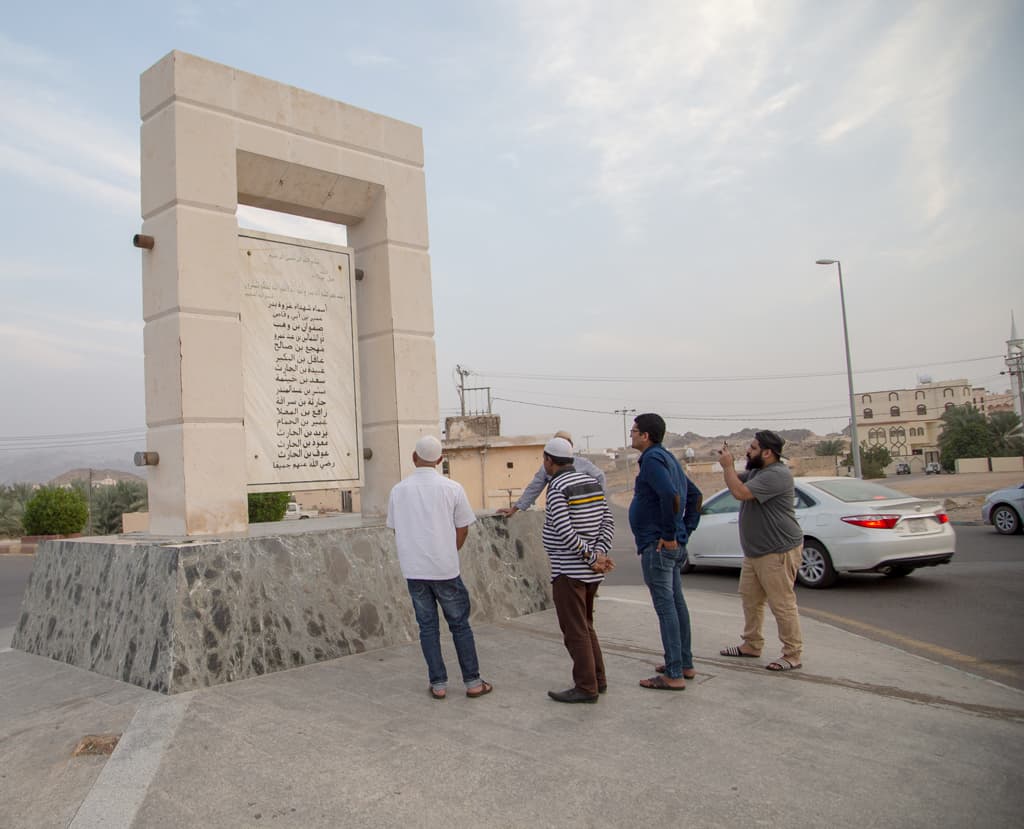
(270, 365)
(214, 137)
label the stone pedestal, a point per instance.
(176, 616)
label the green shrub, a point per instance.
(53, 510)
(267, 506)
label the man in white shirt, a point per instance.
(430, 515)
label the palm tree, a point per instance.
(1007, 436)
(965, 434)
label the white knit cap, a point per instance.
(559, 448)
(428, 448)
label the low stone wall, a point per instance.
(173, 617)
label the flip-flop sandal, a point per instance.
(688, 673)
(439, 693)
(733, 650)
(485, 688)
(782, 664)
(657, 683)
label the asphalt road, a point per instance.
(968, 614)
(14, 571)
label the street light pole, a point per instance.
(855, 443)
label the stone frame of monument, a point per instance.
(213, 138)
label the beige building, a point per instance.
(492, 469)
(908, 422)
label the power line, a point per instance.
(24, 443)
(73, 435)
(697, 417)
(737, 379)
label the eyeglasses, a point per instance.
(635, 431)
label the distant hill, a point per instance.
(42, 465)
(799, 442)
(97, 475)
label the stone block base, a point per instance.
(174, 616)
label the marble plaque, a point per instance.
(300, 364)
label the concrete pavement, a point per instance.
(866, 735)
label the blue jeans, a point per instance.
(663, 580)
(453, 598)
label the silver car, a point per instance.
(849, 525)
(1004, 510)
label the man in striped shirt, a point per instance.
(578, 532)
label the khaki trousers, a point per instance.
(770, 579)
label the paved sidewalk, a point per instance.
(864, 736)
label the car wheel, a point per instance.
(816, 570)
(1005, 520)
(899, 572)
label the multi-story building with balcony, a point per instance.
(908, 421)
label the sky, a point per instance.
(625, 201)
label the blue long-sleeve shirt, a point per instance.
(663, 504)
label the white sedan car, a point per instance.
(849, 525)
(1004, 510)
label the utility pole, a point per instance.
(90, 501)
(463, 374)
(587, 439)
(625, 432)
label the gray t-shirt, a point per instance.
(768, 522)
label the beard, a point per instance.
(756, 462)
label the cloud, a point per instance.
(363, 59)
(29, 59)
(285, 224)
(680, 92)
(909, 81)
(21, 163)
(39, 345)
(54, 128)
(45, 137)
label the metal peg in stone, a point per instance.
(147, 458)
(367, 454)
(359, 274)
(140, 240)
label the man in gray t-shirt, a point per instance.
(772, 543)
(768, 520)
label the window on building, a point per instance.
(919, 395)
(898, 440)
(876, 437)
(922, 409)
(949, 406)
(868, 414)
(865, 398)
(894, 411)
(947, 392)
(893, 396)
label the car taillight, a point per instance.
(942, 518)
(875, 522)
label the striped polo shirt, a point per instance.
(578, 525)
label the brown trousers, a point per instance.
(574, 606)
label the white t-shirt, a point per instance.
(424, 510)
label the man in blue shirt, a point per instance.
(659, 521)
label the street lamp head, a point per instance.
(826, 261)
